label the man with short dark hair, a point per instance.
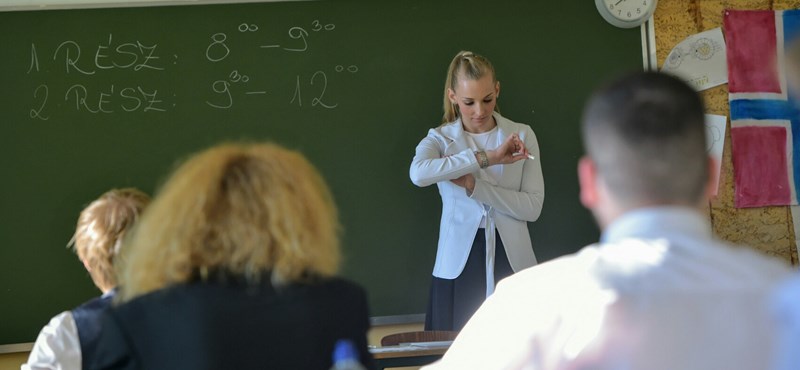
(658, 291)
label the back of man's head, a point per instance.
(646, 136)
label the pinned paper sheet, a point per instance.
(715, 140)
(699, 60)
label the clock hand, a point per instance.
(618, 2)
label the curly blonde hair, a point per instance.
(238, 209)
(102, 226)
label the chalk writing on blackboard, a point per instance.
(244, 27)
(79, 76)
(129, 99)
(223, 87)
(321, 81)
(126, 55)
(296, 33)
(218, 50)
(37, 113)
(107, 55)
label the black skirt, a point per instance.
(453, 301)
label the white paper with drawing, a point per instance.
(715, 140)
(699, 60)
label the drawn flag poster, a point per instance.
(765, 121)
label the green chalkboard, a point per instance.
(99, 98)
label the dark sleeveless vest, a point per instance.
(87, 319)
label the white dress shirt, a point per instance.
(786, 307)
(57, 346)
(486, 141)
(658, 293)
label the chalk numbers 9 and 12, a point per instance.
(311, 88)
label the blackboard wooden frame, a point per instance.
(103, 4)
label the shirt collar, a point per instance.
(653, 222)
(109, 293)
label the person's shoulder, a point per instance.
(523, 128)
(503, 120)
(571, 269)
(62, 327)
(62, 321)
(56, 346)
(141, 306)
(681, 263)
(445, 130)
(336, 294)
(95, 303)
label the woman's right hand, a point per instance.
(511, 150)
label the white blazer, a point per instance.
(517, 198)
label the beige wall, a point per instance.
(10, 361)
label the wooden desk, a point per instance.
(399, 356)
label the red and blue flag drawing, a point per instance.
(765, 120)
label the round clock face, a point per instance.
(626, 13)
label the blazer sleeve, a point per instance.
(430, 165)
(525, 204)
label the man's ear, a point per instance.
(587, 178)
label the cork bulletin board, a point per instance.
(768, 229)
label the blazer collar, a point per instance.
(455, 130)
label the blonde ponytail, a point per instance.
(469, 65)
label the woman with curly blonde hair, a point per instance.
(233, 267)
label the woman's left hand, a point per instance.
(467, 182)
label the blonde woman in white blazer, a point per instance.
(490, 179)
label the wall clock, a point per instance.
(626, 13)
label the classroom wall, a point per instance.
(768, 229)
(534, 52)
